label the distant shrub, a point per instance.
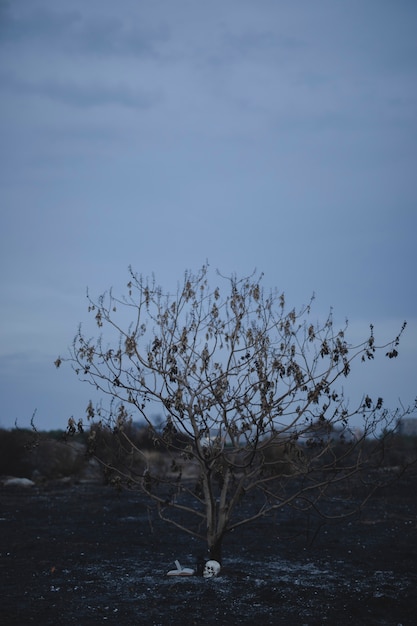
(14, 450)
(279, 457)
(127, 450)
(57, 459)
(398, 450)
(24, 453)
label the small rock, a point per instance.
(18, 482)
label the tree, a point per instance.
(251, 393)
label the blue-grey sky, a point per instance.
(269, 134)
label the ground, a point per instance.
(87, 554)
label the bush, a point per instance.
(25, 453)
(14, 452)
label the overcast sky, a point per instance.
(163, 133)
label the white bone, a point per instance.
(211, 569)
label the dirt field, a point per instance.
(85, 554)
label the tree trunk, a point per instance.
(215, 549)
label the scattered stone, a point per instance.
(14, 481)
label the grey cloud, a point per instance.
(255, 43)
(41, 24)
(81, 94)
(72, 31)
(107, 35)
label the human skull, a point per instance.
(211, 568)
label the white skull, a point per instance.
(211, 568)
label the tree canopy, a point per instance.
(254, 389)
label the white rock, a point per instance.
(18, 482)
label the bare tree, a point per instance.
(251, 393)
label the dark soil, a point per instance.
(86, 554)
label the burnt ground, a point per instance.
(86, 554)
